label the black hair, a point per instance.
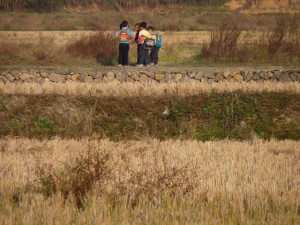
(150, 28)
(124, 24)
(143, 25)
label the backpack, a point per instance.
(159, 40)
(149, 43)
(124, 36)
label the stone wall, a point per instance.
(149, 74)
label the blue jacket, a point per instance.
(129, 33)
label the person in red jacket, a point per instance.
(136, 39)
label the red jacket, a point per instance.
(136, 36)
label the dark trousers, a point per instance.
(154, 55)
(123, 54)
(143, 55)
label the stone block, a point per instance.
(120, 77)
(238, 77)
(110, 76)
(57, 78)
(144, 78)
(199, 76)
(88, 79)
(75, 76)
(159, 76)
(9, 77)
(219, 77)
(25, 77)
(3, 79)
(209, 75)
(178, 77)
(285, 77)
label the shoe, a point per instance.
(120, 65)
(125, 65)
(151, 64)
(139, 65)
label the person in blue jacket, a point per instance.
(125, 36)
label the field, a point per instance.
(149, 182)
(149, 153)
(42, 39)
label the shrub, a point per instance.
(78, 178)
(156, 174)
(102, 46)
(223, 42)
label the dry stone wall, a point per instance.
(148, 75)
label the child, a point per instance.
(137, 29)
(125, 36)
(143, 53)
(155, 49)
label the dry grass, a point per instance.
(51, 48)
(150, 89)
(280, 44)
(254, 182)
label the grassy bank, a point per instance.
(203, 117)
(148, 182)
(187, 19)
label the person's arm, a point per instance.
(118, 34)
(130, 33)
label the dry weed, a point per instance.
(151, 89)
(253, 182)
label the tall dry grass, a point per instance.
(254, 182)
(280, 44)
(150, 89)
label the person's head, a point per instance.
(124, 24)
(143, 25)
(150, 29)
(137, 26)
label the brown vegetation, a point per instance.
(280, 45)
(142, 182)
(137, 89)
(205, 116)
(50, 5)
(102, 46)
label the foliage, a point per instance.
(102, 46)
(52, 5)
(44, 126)
(78, 178)
(281, 44)
(203, 116)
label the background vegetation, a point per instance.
(53, 5)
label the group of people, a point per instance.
(148, 44)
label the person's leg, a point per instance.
(141, 55)
(151, 56)
(155, 55)
(137, 53)
(120, 59)
(147, 58)
(126, 51)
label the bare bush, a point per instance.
(281, 44)
(223, 42)
(155, 174)
(79, 178)
(102, 46)
(277, 36)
